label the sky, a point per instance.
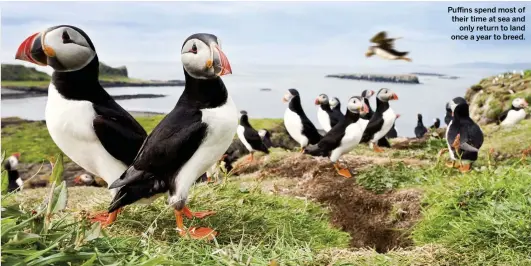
(269, 33)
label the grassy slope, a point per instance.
(468, 219)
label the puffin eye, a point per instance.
(66, 37)
(194, 49)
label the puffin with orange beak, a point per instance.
(82, 118)
(189, 140)
(382, 119)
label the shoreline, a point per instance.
(403, 79)
(21, 92)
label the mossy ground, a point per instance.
(295, 210)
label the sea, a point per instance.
(247, 83)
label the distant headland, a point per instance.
(406, 78)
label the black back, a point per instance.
(468, 130)
(436, 124)
(391, 134)
(376, 122)
(334, 116)
(420, 129)
(308, 128)
(251, 135)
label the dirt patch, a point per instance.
(379, 221)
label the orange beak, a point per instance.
(395, 97)
(77, 180)
(365, 108)
(317, 101)
(17, 155)
(31, 50)
(225, 65)
(397, 116)
(525, 104)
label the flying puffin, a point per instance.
(82, 118)
(189, 140)
(266, 137)
(436, 123)
(420, 129)
(515, 114)
(327, 118)
(464, 137)
(299, 127)
(249, 136)
(448, 116)
(344, 136)
(385, 48)
(382, 120)
(383, 142)
(11, 166)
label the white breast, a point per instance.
(513, 117)
(353, 134)
(69, 123)
(222, 124)
(293, 124)
(452, 156)
(384, 54)
(241, 136)
(324, 119)
(389, 118)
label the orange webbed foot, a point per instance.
(465, 168)
(200, 214)
(199, 233)
(377, 148)
(344, 172)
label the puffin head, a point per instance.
(367, 94)
(84, 179)
(243, 112)
(290, 95)
(419, 116)
(334, 102)
(12, 161)
(203, 58)
(356, 105)
(263, 133)
(370, 52)
(519, 103)
(65, 48)
(454, 102)
(321, 99)
(386, 95)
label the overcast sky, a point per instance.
(283, 33)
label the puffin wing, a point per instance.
(119, 133)
(471, 137)
(329, 142)
(374, 125)
(379, 37)
(502, 116)
(309, 130)
(251, 135)
(335, 118)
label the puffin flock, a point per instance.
(100, 136)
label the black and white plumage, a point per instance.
(335, 104)
(249, 136)
(366, 95)
(82, 118)
(514, 115)
(382, 120)
(13, 176)
(448, 116)
(326, 116)
(436, 123)
(470, 134)
(391, 135)
(420, 129)
(385, 48)
(191, 138)
(266, 137)
(298, 125)
(344, 136)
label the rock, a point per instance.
(407, 78)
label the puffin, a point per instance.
(82, 118)
(385, 48)
(344, 136)
(464, 137)
(189, 140)
(514, 115)
(13, 176)
(436, 123)
(266, 137)
(298, 125)
(420, 129)
(382, 120)
(326, 116)
(250, 137)
(448, 116)
(335, 105)
(383, 142)
(86, 180)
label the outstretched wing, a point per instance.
(379, 37)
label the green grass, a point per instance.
(41, 84)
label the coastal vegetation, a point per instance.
(406, 78)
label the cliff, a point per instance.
(407, 78)
(22, 73)
(493, 95)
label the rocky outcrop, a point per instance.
(407, 78)
(492, 95)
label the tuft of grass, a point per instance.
(483, 216)
(382, 178)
